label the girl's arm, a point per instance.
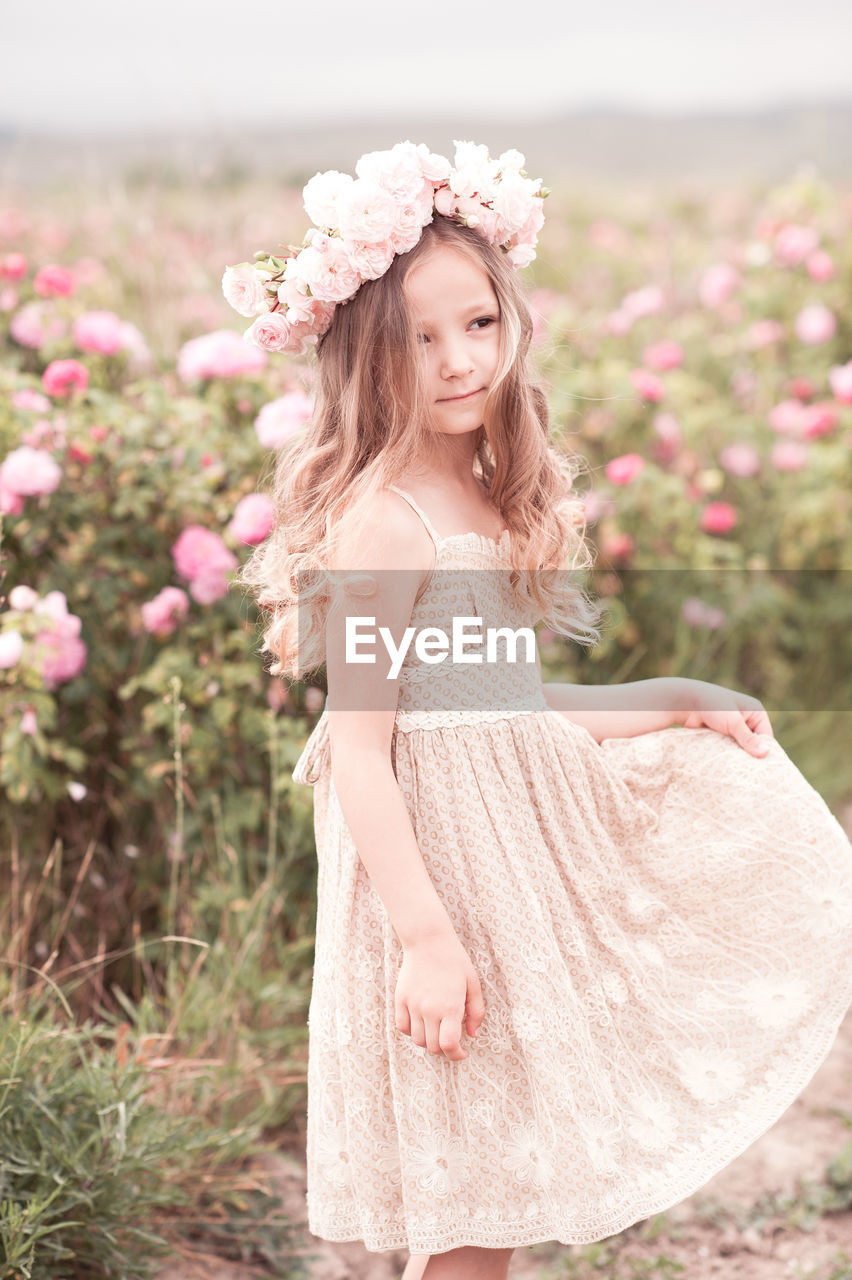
(620, 710)
(625, 710)
(362, 702)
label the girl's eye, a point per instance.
(485, 320)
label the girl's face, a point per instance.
(457, 317)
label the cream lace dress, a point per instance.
(662, 927)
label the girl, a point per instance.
(576, 947)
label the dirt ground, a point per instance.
(708, 1233)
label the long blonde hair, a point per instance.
(371, 416)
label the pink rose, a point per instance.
(788, 455)
(253, 519)
(625, 468)
(29, 472)
(786, 417)
(280, 419)
(321, 197)
(271, 332)
(618, 545)
(245, 289)
(667, 427)
(209, 587)
(13, 266)
(718, 517)
(11, 504)
(58, 652)
(762, 333)
(98, 331)
(820, 265)
(663, 355)
(648, 385)
(372, 260)
(740, 459)
(35, 324)
(54, 282)
(221, 354)
(698, 614)
(11, 649)
(199, 551)
(161, 615)
(434, 167)
(29, 399)
(512, 201)
(840, 381)
(793, 243)
(22, 598)
(398, 172)
(62, 376)
(330, 275)
(815, 324)
(445, 202)
(717, 283)
(366, 213)
(29, 723)
(818, 419)
(647, 301)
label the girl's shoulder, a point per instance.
(389, 536)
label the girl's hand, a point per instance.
(738, 715)
(437, 983)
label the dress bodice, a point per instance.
(470, 579)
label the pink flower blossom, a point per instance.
(58, 653)
(54, 605)
(818, 419)
(280, 419)
(820, 265)
(788, 455)
(787, 417)
(22, 598)
(13, 266)
(221, 354)
(252, 519)
(663, 355)
(98, 331)
(762, 333)
(366, 212)
(718, 517)
(314, 700)
(696, 613)
(646, 301)
(61, 376)
(244, 287)
(11, 649)
(618, 545)
(36, 324)
(11, 504)
(209, 587)
(8, 298)
(815, 324)
(649, 386)
(801, 388)
(161, 615)
(793, 242)
(29, 399)
(625, 468)
(29, 472)
(717, 283)
(321, 197)
(54, 282)
(29, 724)
(596, 505)
(272, 332)
(199, 550)
(840, 381)
(740, 459)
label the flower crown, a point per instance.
(363, 223)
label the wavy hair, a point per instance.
(371, 417)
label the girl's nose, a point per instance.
(455, 361)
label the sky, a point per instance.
(115, 65)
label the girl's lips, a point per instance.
(451, 399)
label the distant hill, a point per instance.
(599, 143)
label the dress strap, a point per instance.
(435, 536)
